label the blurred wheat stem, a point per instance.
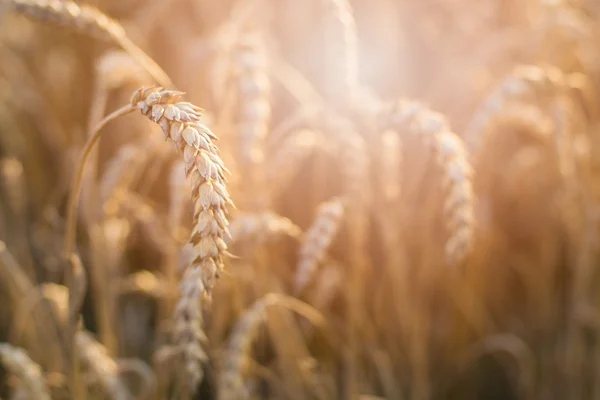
(231, 381)
(90, 20)
(71, 225)
(146, 62)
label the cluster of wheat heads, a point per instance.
(399, 199)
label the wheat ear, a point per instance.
(253, 88)
(89, 20)
(231, 382)
(18, 363)
(343, 37)
(524, 80)
(457, 174)
(180, 122)
(101, 366)
(261, 227)
(317, 241)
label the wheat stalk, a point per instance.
(317, 241)
(343, 36)
(18, 363)
(101, 366)
(71, 218)
(525, 81)
(451, 157)
(355, 169)
(231, 382)
(89, 20)
(391, 166)
(223, 42)
(180, 122)
(253, 89)
(12, 184)
(113, 69)
(13, 187)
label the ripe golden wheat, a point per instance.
(416, 189)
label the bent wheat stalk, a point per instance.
(317, 241)
(181, 123)
(525, 81)
(90, 20)
(73, 273)
(71, 220)
(457, 173)
(231, 383)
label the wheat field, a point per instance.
(299, 199)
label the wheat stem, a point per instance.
(71, 225)
(88, 19)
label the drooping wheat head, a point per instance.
(459, 202)
(181, 123)
(317, 241)
(89, 20)
(526, 82)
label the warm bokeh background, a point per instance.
(514, 317)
